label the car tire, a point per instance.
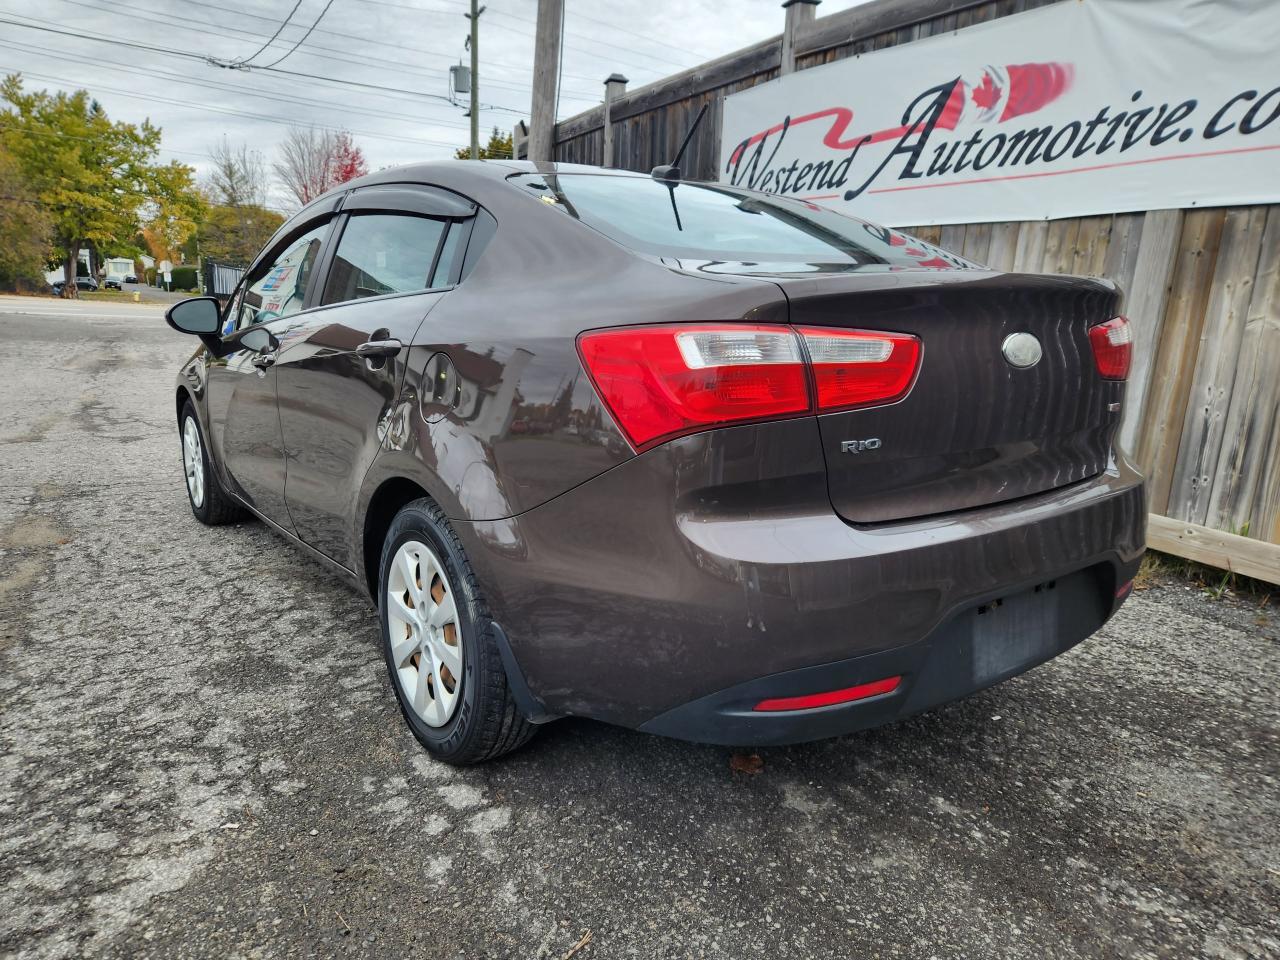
(481, 720)
(210, 504)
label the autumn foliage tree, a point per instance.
(313, 161)
(348, 159)
(97, 180)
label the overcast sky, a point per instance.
(403, 44)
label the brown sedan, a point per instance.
(687, 458)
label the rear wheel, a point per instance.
(209, 502)
(438, 642)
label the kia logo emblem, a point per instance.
(1022, 350)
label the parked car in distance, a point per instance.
(695, 460)
(113, 283)
(130, 279)
(82, 283)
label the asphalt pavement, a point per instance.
(200, 756)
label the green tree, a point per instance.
(25, 228)
(97, 180)
(498, 148)
(237, 223)
(236, 234)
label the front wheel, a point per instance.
(438, 642)
(209, 502)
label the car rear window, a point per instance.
(714, 223)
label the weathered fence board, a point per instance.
(1246, 468)
(1216, 363)
(1176, 357)
(1141, 260)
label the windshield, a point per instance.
(718, 224)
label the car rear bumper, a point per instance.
(669, 591)
(978, 647)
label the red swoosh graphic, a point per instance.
(844, 117)
(1033, 86)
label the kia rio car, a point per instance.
(682, 457)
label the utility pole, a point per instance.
(474, 17)
(546, 68)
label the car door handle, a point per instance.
(263, 360)
(379, 349)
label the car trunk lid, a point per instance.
(974, 429)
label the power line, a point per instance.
(283, 23)
(284, 121)
(358, 62)
(116, 66)
(340, 55)
(417, 94)
(310, 29)
(595, 40)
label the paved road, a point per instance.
(201, 758)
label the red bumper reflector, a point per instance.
(1124, 589)
(848, 694)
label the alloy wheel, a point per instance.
(425, 633)
(193, 461)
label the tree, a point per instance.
(348, 159)
(239, 176)
(25, 228)
(172, 212)
(498, 148)
(313, 161)
(237, 224)
(236, 234)
(95, 178)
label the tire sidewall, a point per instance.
(415, 523)
(188, 413)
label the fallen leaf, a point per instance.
(749, 763)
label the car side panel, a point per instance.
(336, 408)
(244, 432)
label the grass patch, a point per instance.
(1214, 583)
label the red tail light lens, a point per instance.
(857, 368)
(662, 382)
(1112, 348)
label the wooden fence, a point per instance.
(1202, 285)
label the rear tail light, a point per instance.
(1112, 348)
(861, 692)
(855, 368)
(662, 382)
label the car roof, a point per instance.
(450, 172)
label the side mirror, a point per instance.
(198, 315)
(259, 340)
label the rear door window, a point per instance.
(380, 254)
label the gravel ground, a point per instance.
(202, 757)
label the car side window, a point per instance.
(277, 288)
(380, 254)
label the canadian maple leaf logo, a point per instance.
(986, 94)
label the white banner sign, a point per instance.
(1082, 107)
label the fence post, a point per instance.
(615, 85)
(800, 14)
